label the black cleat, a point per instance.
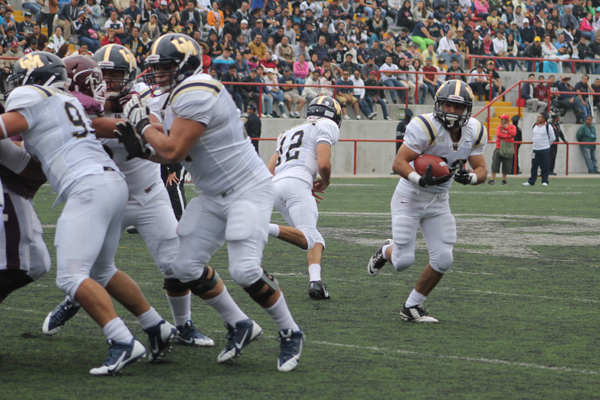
(317, 290)
(416, 314)
(377, 260)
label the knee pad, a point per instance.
(404, 261)
(175, 285)
(313, 237)
(203, 284)
(11, 280)
(262, 290)
(443, 262)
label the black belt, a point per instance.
(109, 169)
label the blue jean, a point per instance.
(34, 8)
(369, 12)
(541, 158)
(363, 107)
(452, 56)
(300, 81)
(93, 45)
(428, 88)
(370, 102)
(267, 103)
(589, 156)
(391, 82)
(278, 96)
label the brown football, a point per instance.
(439, 167)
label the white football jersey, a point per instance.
(297, 149)
(60, 135)
(426, 135)
(223, 158)
(142, 176)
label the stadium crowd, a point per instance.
(330, 42)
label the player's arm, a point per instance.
(12, 124)
(273, 163)
(479, 168)
(105, 127)
(174, 148)
(324, 167)
(401, 164)
(18, 160)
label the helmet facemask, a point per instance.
(95, 82)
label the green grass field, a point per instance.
(518, 312)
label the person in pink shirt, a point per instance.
(482, 9)
(301, 69)
(507, 132)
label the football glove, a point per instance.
(133, 141)
(135, 112)
(429, 180)
(463, 176)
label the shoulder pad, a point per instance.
(428, 127)
(26, 96)
(480, 134)
(197, 85)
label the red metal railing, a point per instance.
(356, 141)
(535, 60)
(295, 85)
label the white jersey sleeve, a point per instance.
(13, 157)
(327, 132)
(23, 99)
(196, 100)
(415, 137)
(480, 137)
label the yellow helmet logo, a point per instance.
(30, 61)
(184, 46)
(129, 57)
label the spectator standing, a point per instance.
(47, 13)
(587, 133)
(68, 13)
(503, 154)
(542, 135)
(554, 148)
(253, 125)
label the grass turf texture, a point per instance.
(518, 311)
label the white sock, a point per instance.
(274, 230)
(384, 250)
(281, 315)
(116, 330)
(227, 308)
(149, 318)
(415, 299)
(181, 308)
(314, 270)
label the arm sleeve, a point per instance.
(13, 157)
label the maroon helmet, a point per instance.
(86, 77)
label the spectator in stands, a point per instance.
(15, 51)
(301, 69)
(587, 134)
(369, 67)
(430, 79)
(25, 28)
(215, 49)
(476, 47)
(359, 94)
(482, 9)
(257, 47)
(583, 88)
(37, 34)
(309, 93)
(496, 80)
(309, 34)
(241, 65)
(405, 17)
(477, 82)
(68, 13)
(504, 132)
(388, 77)
(33, 46)
(172, 26)
(146, 44)
(568, 19)
(290, 94)
(47, 13)
(584, 53)
(33, 6)
(240, 97)
(500, 49)
(346, 95)
(56, 41)
(135, 12)
(161, 13)
(110, 38)
(377, 54)
(224, 61)
(534, 50)
(115, 23)
(146, 12)
(569, 101)
(447, 49)
(373, 96)
(541, 91)
(456, 69)
(421, 36)
(285, 52)
(527, 93)
(274, 90)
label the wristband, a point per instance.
(473, 180)
(414, 177)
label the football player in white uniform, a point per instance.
(24, 257)
(148, 208)
(422, 201)
(57, 132)
(302, 152)
(204, 132)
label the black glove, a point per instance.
(133, 141)
(429, 180)
(462, 176)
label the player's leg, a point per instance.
(201, 233)
(400, 251)
(157, 225)
(92, 207)
(246, 233)
(439, 232)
